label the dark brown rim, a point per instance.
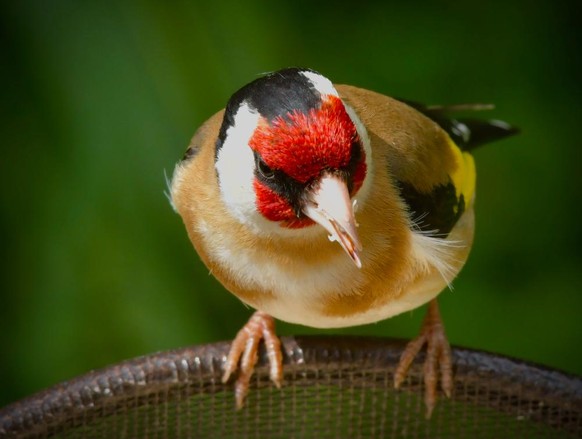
(150, 374)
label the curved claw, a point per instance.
(245, 348)
(438, 356)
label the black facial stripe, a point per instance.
(283, 185)
(436, 211)
(276, 94)
(355, 157)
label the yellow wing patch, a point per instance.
(464, 174)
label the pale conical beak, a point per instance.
(328, 203)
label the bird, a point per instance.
(329, 206)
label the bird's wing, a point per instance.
(436, 211)
(426, 152)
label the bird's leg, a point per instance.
(438, 355)
(245, 347)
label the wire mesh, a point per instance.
(334, 387)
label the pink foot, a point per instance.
(438, 356)
(245, 348)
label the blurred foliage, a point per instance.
(99, 98)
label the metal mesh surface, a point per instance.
(334, 387)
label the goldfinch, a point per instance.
(331, 206)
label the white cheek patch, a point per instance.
(235, 166)
(364, 191)
(321, 83)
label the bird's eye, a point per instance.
(263, 168)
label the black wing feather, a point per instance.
(467, 133)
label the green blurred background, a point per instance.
(99, 98)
